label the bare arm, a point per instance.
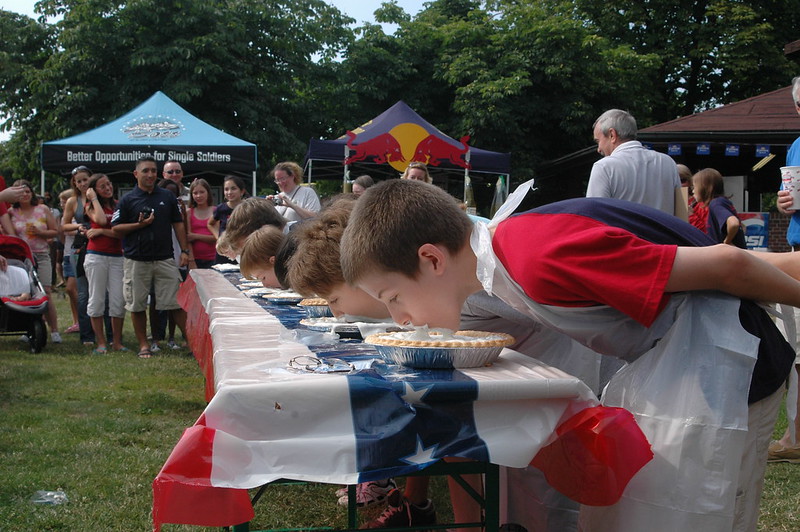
(69, 213)
(94, 210)
(12, 194)
(120, 230)
(301, 212)
(213, 226)
(769, 277)
(5, 223)
(732, 225)
(180, 234)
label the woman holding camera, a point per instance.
(103, 264)
(294, 202)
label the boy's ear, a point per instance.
(272, 260)
(433, 257)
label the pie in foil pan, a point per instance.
(440, 348)
(316, 307)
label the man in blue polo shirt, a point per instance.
(144, 219)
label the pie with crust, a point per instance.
(314, 302)
(441, 338)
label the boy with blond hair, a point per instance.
(257, 260)
(704, 369)
(250, 215)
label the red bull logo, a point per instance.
(405, 143)
(381, 149)
(433, 150)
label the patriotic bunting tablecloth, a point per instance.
(267, 421)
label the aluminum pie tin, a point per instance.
(438, 357)
(282, 300)
(331, 324)
(441, 356)
(318, 311)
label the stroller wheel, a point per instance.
(37, 336)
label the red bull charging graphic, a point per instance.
(405, 143)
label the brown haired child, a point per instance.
(627, 281)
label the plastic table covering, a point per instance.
(266, 421)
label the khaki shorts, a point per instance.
(44, 267)
(139, 276)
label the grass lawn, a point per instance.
(100, 428)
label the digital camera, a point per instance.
(146, 212)
(277, 200)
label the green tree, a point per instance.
(711, 52)
(26, 46)
(247, 67)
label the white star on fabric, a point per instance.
(412, 396)
(422, 456)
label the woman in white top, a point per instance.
(294, 202)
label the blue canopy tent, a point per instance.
(159, 128)
(389, 142)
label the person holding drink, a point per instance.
(787, 449)
(34, 223)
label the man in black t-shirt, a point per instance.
(144, 219)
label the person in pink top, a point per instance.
(34, 223)
(103, 264)
(201, 239)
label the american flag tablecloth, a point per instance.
(267, 422)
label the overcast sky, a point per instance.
(361, 10)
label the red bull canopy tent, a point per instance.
(159, 128)
(389, 142)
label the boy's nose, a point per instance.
(401, 318)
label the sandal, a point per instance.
(121, 349)
(145, 353)
(100, 351)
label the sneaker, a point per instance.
(55, 338)
(367, 494)
(154, 348)
(172, 345)
(401, 514)
(779, 453)
(24, 338)
(72, 329)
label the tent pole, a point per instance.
(346, 185)
(254, 183)
(42, 180)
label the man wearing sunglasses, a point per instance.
(174, 171)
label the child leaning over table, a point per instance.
(627, 281)
(314, 270)
(257, 259)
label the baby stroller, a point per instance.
(23, 317)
